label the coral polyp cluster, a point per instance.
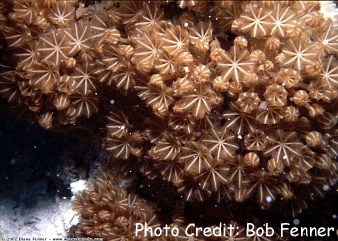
(247, 117)
(230, 101)
(109, 212)
(44, 65)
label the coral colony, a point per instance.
(226, 102)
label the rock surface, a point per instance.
(36, 170)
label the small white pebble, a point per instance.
(112, 101)
(77, 186)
